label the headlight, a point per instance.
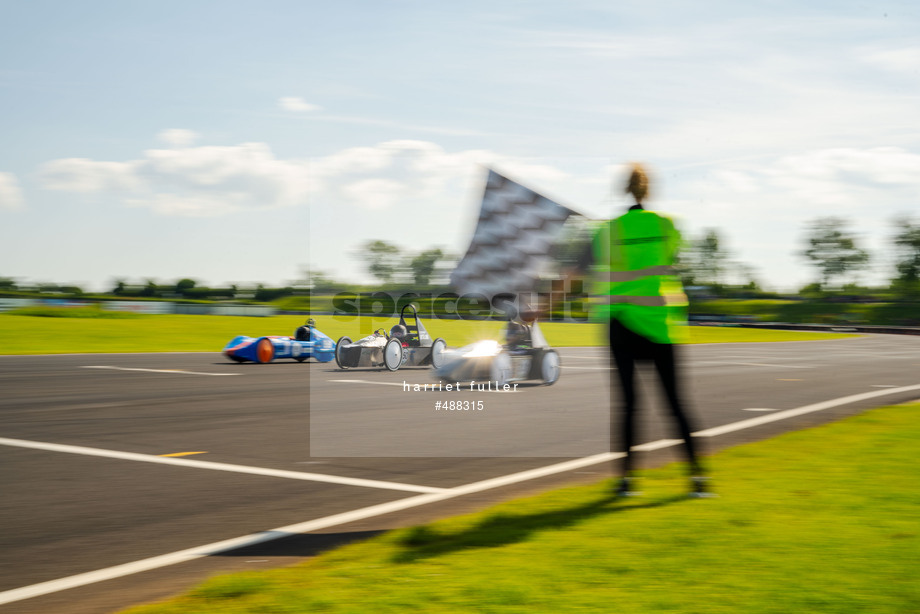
(483, 348)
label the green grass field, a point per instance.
(21, 334)
(816, 521)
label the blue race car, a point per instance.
(307, 342)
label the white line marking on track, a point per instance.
(799, 411)
(364, 381)
(429, 383)
(164, 560)
(200, 464)
(183, 372)
(657, 445)
(760, 364)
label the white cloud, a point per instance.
(10, 193)
(191, 181)
(297, 105)
(904, 60)
(87, 176)
(848, 176)
(178, 137)
(610, 46)
(375, 193)
(406, 171)
(214, 180)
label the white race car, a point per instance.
(407, 344)
(525, 355)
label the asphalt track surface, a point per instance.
(87, 483)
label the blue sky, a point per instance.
(238, 142)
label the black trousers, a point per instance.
(626, 348)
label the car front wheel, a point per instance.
(550, 367)
(392, 354)
(437, 352)
(340, 350)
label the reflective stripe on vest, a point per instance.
(616, 276)
(645, 301)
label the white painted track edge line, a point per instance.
(145, 370)
(118, 571)
(200, 464)
(799, 411)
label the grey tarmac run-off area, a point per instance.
(68, 513)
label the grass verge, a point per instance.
(821, 520)
(25, 334)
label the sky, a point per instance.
(245, 142)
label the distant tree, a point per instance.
(266, 295)
(712, 256)
(318, 281)
(812, 290)
(72, 290)
(423, 265)
(748, 276)
(383, 260)
(150, 289)
(703, 261)
(907, 242)
(183, 286)
(833, 249)
(685, 263)
(119, 288)
(7, 283)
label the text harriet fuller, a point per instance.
(474, 386)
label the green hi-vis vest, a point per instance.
(634, 280)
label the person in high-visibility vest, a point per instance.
(638, 294)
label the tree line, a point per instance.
(830, 247)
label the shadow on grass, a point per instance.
(300, 545)
(501, 529)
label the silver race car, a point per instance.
(525, 355)
(407, 344)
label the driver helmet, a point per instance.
(516, 333)
(399, 331)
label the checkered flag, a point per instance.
(512, 245)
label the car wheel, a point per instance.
(300, 358)
(500, 369)
(339, 349)
(550, 367)
(392, 354)
(265, 351)
(437, 352)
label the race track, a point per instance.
(113, 459)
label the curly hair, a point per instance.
(637, 185)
